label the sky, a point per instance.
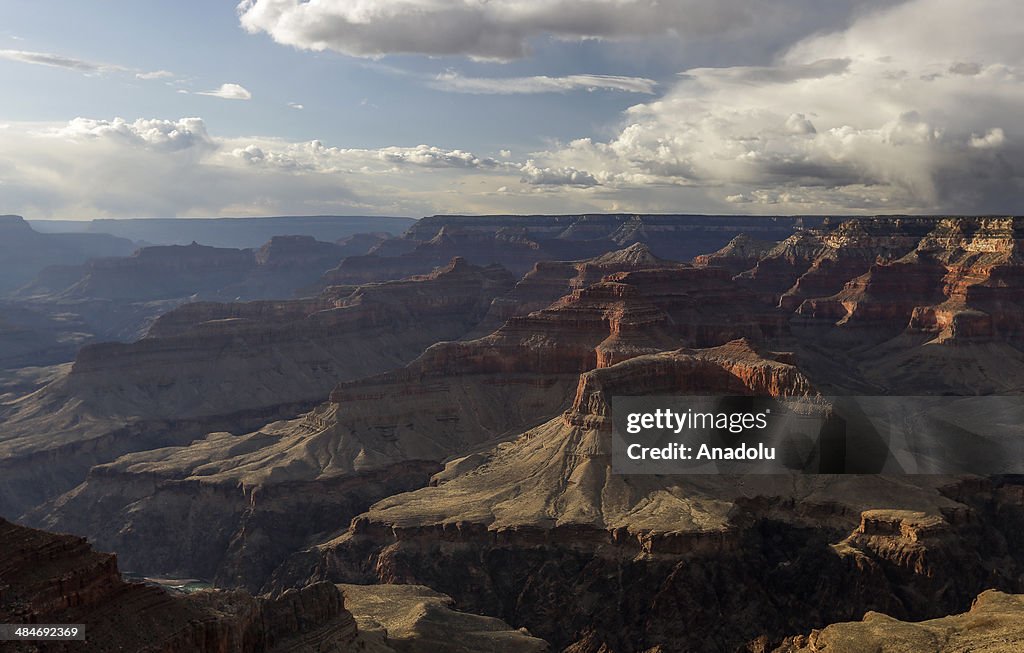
(141, 108)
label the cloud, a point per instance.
(296, 105)
(537, 176)
(909, 108)
(156, 74)
(149, 167)
(59, 61)
(503, 29)
(992, 139)
(451, 81)
(77, 65)
(155, 134)
(434, 157)
(881, 116)
(229, 92)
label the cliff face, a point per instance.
(818, 262)
(742, 253)
(47, 578)
(548, 281)
(222, 372)
(945, 316)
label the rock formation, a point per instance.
(540, 533)
(59, 579)
(25, 251)
(548, 281)
(992, 625)
(47, 578)
(416, 619)
(519, 242)
(233, 366)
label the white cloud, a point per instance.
(229, 91)
(914, 108)
(156, 74)
(59, 61)
(503, 29)
(296, 106)
(883, 115)
(538, 176)
(451, 81)
(993, 138)
(77, 65)
(89, 167)
(164, 135)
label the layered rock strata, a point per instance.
(225, 367)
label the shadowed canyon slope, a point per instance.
(226, 366)
(48, 578)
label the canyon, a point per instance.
(435, 415)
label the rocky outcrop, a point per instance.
(992, 625)
(675, 237)
(232, 373)
(416, 619)
(48, 578)
(741, 254)
(818, 262)
(944, 317)
(377, 436)
(548, 281)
